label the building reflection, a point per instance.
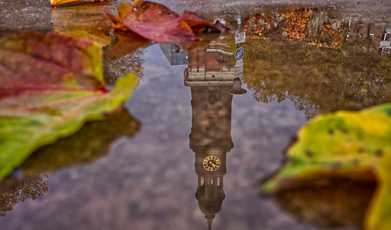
(210, 74)
(322, 27)
(211, 140)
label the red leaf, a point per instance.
(37, 62)
(156, 22)
(50, 85)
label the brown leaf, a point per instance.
(73, 2)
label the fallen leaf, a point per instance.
(352, 145)
(297, 22)
(73, 2)
(90, 143)
(158, 23)
(50, 85)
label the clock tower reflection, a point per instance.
(211, 78)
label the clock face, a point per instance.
(211, 163)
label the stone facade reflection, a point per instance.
(210, 74)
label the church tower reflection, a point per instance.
(210, 140)
(211, 78)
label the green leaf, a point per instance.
(354, 145)
(90, 143)
(50, 86)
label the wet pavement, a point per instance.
(190, 149)
(36, 15)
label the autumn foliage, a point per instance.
(73, 2)
(156, 22)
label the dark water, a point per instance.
(149, 166)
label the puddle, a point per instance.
(205, 126)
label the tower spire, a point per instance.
(209, 219)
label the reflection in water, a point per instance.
(211, 77)
(277, 68)
(322, 61)
(321, 80)
(174, 53)
(89, 144)
(15, 191)
(385, 44)
(338, 203)
(322, 27)
(210, 139)
(123, 56)
(338, 57)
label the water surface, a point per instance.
(149, 166)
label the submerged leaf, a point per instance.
(50, 86)
(353, 145)
(156, 22)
